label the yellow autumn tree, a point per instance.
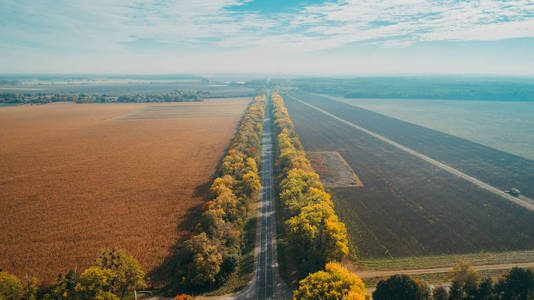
(206, 262)
(10, 286)
(233, 163)
(251, 183)
(96, 283)
(334, 283)
(128, 273)
(316, 236)
(294, 187)
(221, 184)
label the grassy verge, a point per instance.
(243, 274)
(438, 261)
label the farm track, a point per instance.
(523, 201)
(385, 273)
(407, 206)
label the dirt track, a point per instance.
(374, 273)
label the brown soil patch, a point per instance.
(73, 180)
(333, 170)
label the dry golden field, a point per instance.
(75, 178)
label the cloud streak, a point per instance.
(329, 25)
(411, 21)
(125, 28)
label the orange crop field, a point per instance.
(75, 178)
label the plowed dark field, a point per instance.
(407, 206)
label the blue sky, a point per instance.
(308, 36)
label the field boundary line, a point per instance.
(449, 169)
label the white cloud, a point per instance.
(100, 23)
(104, 28)
(484, 32)
(420, 20)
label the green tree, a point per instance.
(440, 293)
(64, 287)
(399, 287)
(456, 292)
(30, 288)
(335, 282)
(485, 290)
(423, 290)
(10, 287)
(519, 285)
(128, 273)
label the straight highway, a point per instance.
(265, 284)
(266, 256)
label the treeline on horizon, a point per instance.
(43, 98)
(482, 88)
(213, 252)
(315, 236)
(14, 79)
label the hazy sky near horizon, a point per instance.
(309, 36)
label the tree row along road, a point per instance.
(265, 284)
(527, 203)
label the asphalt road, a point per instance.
(523, 201)
(265, 284)
(266, 256)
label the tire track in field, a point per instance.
(523, 201)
